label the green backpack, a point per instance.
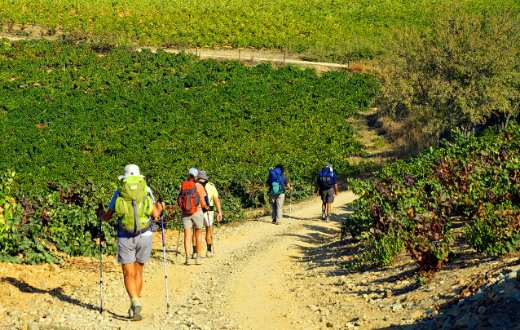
(134, 206)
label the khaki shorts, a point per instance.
(209, 218)
(195, 220)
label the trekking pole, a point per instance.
(165, 268)
(213, 226)
(290, 196)
(290, 202)
(178, 238)
(215, 235)
(100, 266)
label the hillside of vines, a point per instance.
(332, 30)
(71, 118)
(417, 206)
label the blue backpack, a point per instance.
(275, 180)
(326, 179)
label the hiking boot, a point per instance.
(273, 222)
(134, 313)
(327, 218)
(187, 262)
(194, 256)
(198, 261)
(209, 254)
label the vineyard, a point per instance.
(332, 30)
(71, 117)
(472, 183)
(417, 109)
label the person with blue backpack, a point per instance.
(134, 206)
(278, 184)
(326, 188)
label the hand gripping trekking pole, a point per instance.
(167, 297)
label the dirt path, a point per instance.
(247, 282)
(244, 55)
(263, 276)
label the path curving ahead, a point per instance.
(254, 278)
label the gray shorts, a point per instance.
(134, 249)
(327, 196)
(195, 220)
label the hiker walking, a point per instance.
(278, 184)
(191, 201)
(134, 206)
(326, 188)
(213, 202)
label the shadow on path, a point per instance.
(157, 254)
(58, 294)
(288, 216)
(325, 251)
(493, 307)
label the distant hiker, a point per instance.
(134, 206)
(277, 183)
(213, 202)
(326, 188)
(191, 200)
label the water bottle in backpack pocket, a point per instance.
(275, 179)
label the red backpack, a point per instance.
(188, 199)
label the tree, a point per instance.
(462, 73)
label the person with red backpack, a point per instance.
(326, 188)
(191, 201)
(134, 206)
(278, 184)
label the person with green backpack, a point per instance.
(134, 206)
(278, 184)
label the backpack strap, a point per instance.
(136, 217)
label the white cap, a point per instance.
(329, 166)
(130, 170)
(193, 172)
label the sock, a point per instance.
(135, 302)
(194, 249)
(209, 247)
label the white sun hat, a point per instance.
(193, 172)
(130, 170)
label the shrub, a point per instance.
(464, 72)
(413, 204)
